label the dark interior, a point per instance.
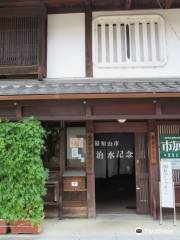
(115, 190)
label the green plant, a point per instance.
(22, 175)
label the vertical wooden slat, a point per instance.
(17, 56)
(40, 73)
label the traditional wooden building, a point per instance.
(104, 79)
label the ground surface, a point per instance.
(105, 227)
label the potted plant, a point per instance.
(3, 226)
(3, 223)
(25, 175)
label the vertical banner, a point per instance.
(166, 186)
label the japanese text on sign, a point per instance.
(76, 142)
(170, 149)
(114, 154)
(167, 194)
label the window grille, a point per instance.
(129, 41)
(19, 41)
(22, 41)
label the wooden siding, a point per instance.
(51, 110)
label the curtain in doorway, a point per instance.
(113, 154)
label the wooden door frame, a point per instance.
(112, 127)
(142, 174)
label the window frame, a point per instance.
(127, 19)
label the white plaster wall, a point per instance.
(170, 69)
(66, 46)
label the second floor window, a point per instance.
(22, 41)
(19, 40)
(129, 41)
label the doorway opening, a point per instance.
(115, 173)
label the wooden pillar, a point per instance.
(18, 110)
(142, 174)
(153, 168)
(62, 168)
(90, 170)
(88, 40)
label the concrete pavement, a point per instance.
(105, 227)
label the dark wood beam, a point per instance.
(72, 6)
(90, 96)
(88, 38)
(115, 127)
(128, 4)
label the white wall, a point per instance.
(66, 46)
(170, 69)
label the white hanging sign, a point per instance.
(166, 185)
(74, 152)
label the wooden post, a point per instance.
(142, 174)
(18, 110)
(62, 168)
(153, 168)
(88, 40)
(90, 170)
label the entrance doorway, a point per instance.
(120, 167)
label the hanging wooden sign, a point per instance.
(153, 149)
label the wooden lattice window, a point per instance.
(22, 41)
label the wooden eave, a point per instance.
(88, 88)
(68, 6)
(90, 96)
